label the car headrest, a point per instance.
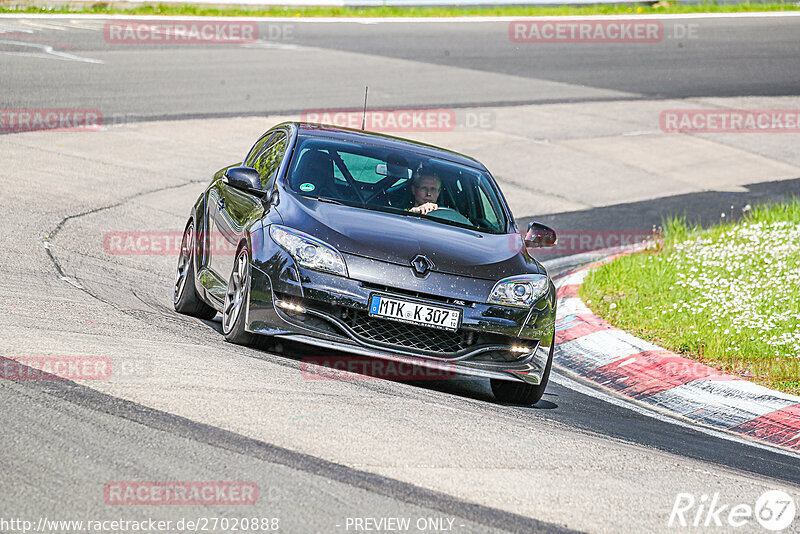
(315, 167)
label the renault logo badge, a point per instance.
(421, 265)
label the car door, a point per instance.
(232, 210)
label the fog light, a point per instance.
(291, 307)
(519, 348)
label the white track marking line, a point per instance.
(39, 25)
(271, 45)
(379, 20)
(91, 25)
(13, 29)
(46, 52)
(637, 407)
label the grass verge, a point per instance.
(388, 11)
(727, 296)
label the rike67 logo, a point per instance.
(774, 510)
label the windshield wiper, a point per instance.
(329, 200)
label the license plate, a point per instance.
(414, 312)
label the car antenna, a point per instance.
(364, 117)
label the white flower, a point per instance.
(744, 279)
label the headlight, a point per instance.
(520, 291)
(307, 251)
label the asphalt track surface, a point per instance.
(580, 459)
(697, 57)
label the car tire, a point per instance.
(521, 392)
(236, 298)
(185, 297)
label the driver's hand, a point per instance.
(425, 209)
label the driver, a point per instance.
(425, 190)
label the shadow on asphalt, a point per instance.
(360, 368)
(607, 224)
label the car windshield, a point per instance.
(387, 179)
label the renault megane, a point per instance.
(374, 245)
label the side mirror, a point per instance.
(540, 236)
(244, 178)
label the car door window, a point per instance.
(257, 148)
(269, 160)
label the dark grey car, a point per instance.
(311, 238)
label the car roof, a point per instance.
(310, 129)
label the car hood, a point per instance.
(400, 238)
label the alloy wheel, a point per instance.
(234, 296)
(184, 258)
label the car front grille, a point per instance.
(358, 323)
(402, 335)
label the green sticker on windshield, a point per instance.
(306, 187)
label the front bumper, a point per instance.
(331, 311)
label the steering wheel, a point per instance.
(449, 214)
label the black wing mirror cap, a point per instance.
(540, 236)
(246, 179)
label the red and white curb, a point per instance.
(593, 349)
